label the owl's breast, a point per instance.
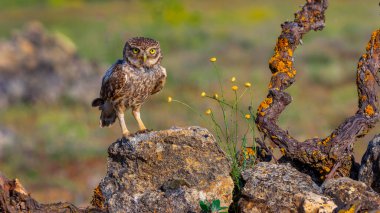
(139, 87)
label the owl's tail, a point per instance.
(108, 114)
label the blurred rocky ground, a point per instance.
(40, 66)
(6, 138)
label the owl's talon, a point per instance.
(143, 131)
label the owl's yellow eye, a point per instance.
(152, 51)
(135, 50)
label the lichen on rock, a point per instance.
(166, 171)
(274, 187)
(348, 193)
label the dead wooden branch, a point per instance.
(14, 198)
(317, 156)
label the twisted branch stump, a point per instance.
(331, 156)
(15, 198)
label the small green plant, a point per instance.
(212, 207)
(233, 124)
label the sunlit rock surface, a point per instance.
(165, 171)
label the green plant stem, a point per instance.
(219, 79)
(221, 106)
(217, 127)
(236, 121)
(189, 107)
(245, 90)
(225, 103)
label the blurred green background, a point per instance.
(59, 152)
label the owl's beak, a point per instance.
(144, 58)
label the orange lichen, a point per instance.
(369, 45)
(363, 98)
(268, 100)
(326, 169)
(369, 110)
(281, 66)
(265, 104)
(262, 113)
(326, 140)
(352, 209)
(303, 19)
(290, 74)
(289, 64)
(282, 43)
(360, 64)
(276, 56)
(369, 76)
(311, 20)
(373, 38)
(98, 198)
(290, 52)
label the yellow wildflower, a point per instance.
(213, 59)
(247, 116)
(170, 99)
(216, 96)
(208, 112)
(203, 94)
(247, 84)
(233, 79)
(234, 88)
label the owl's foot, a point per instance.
(126, 141)
(143, 131)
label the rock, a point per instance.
(38, 66)
(273, 187)
(165, 171)
(369, 171)
(347, 193)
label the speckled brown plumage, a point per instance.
(130, 81)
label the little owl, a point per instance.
(130, 81)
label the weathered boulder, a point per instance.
(281, 188)
(39, 66)
(348, 193)
(165, 171)
(369, 171)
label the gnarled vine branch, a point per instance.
(332, 155)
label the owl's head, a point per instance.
(142, 52)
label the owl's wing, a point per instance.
(113, 82)
(160, 82)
